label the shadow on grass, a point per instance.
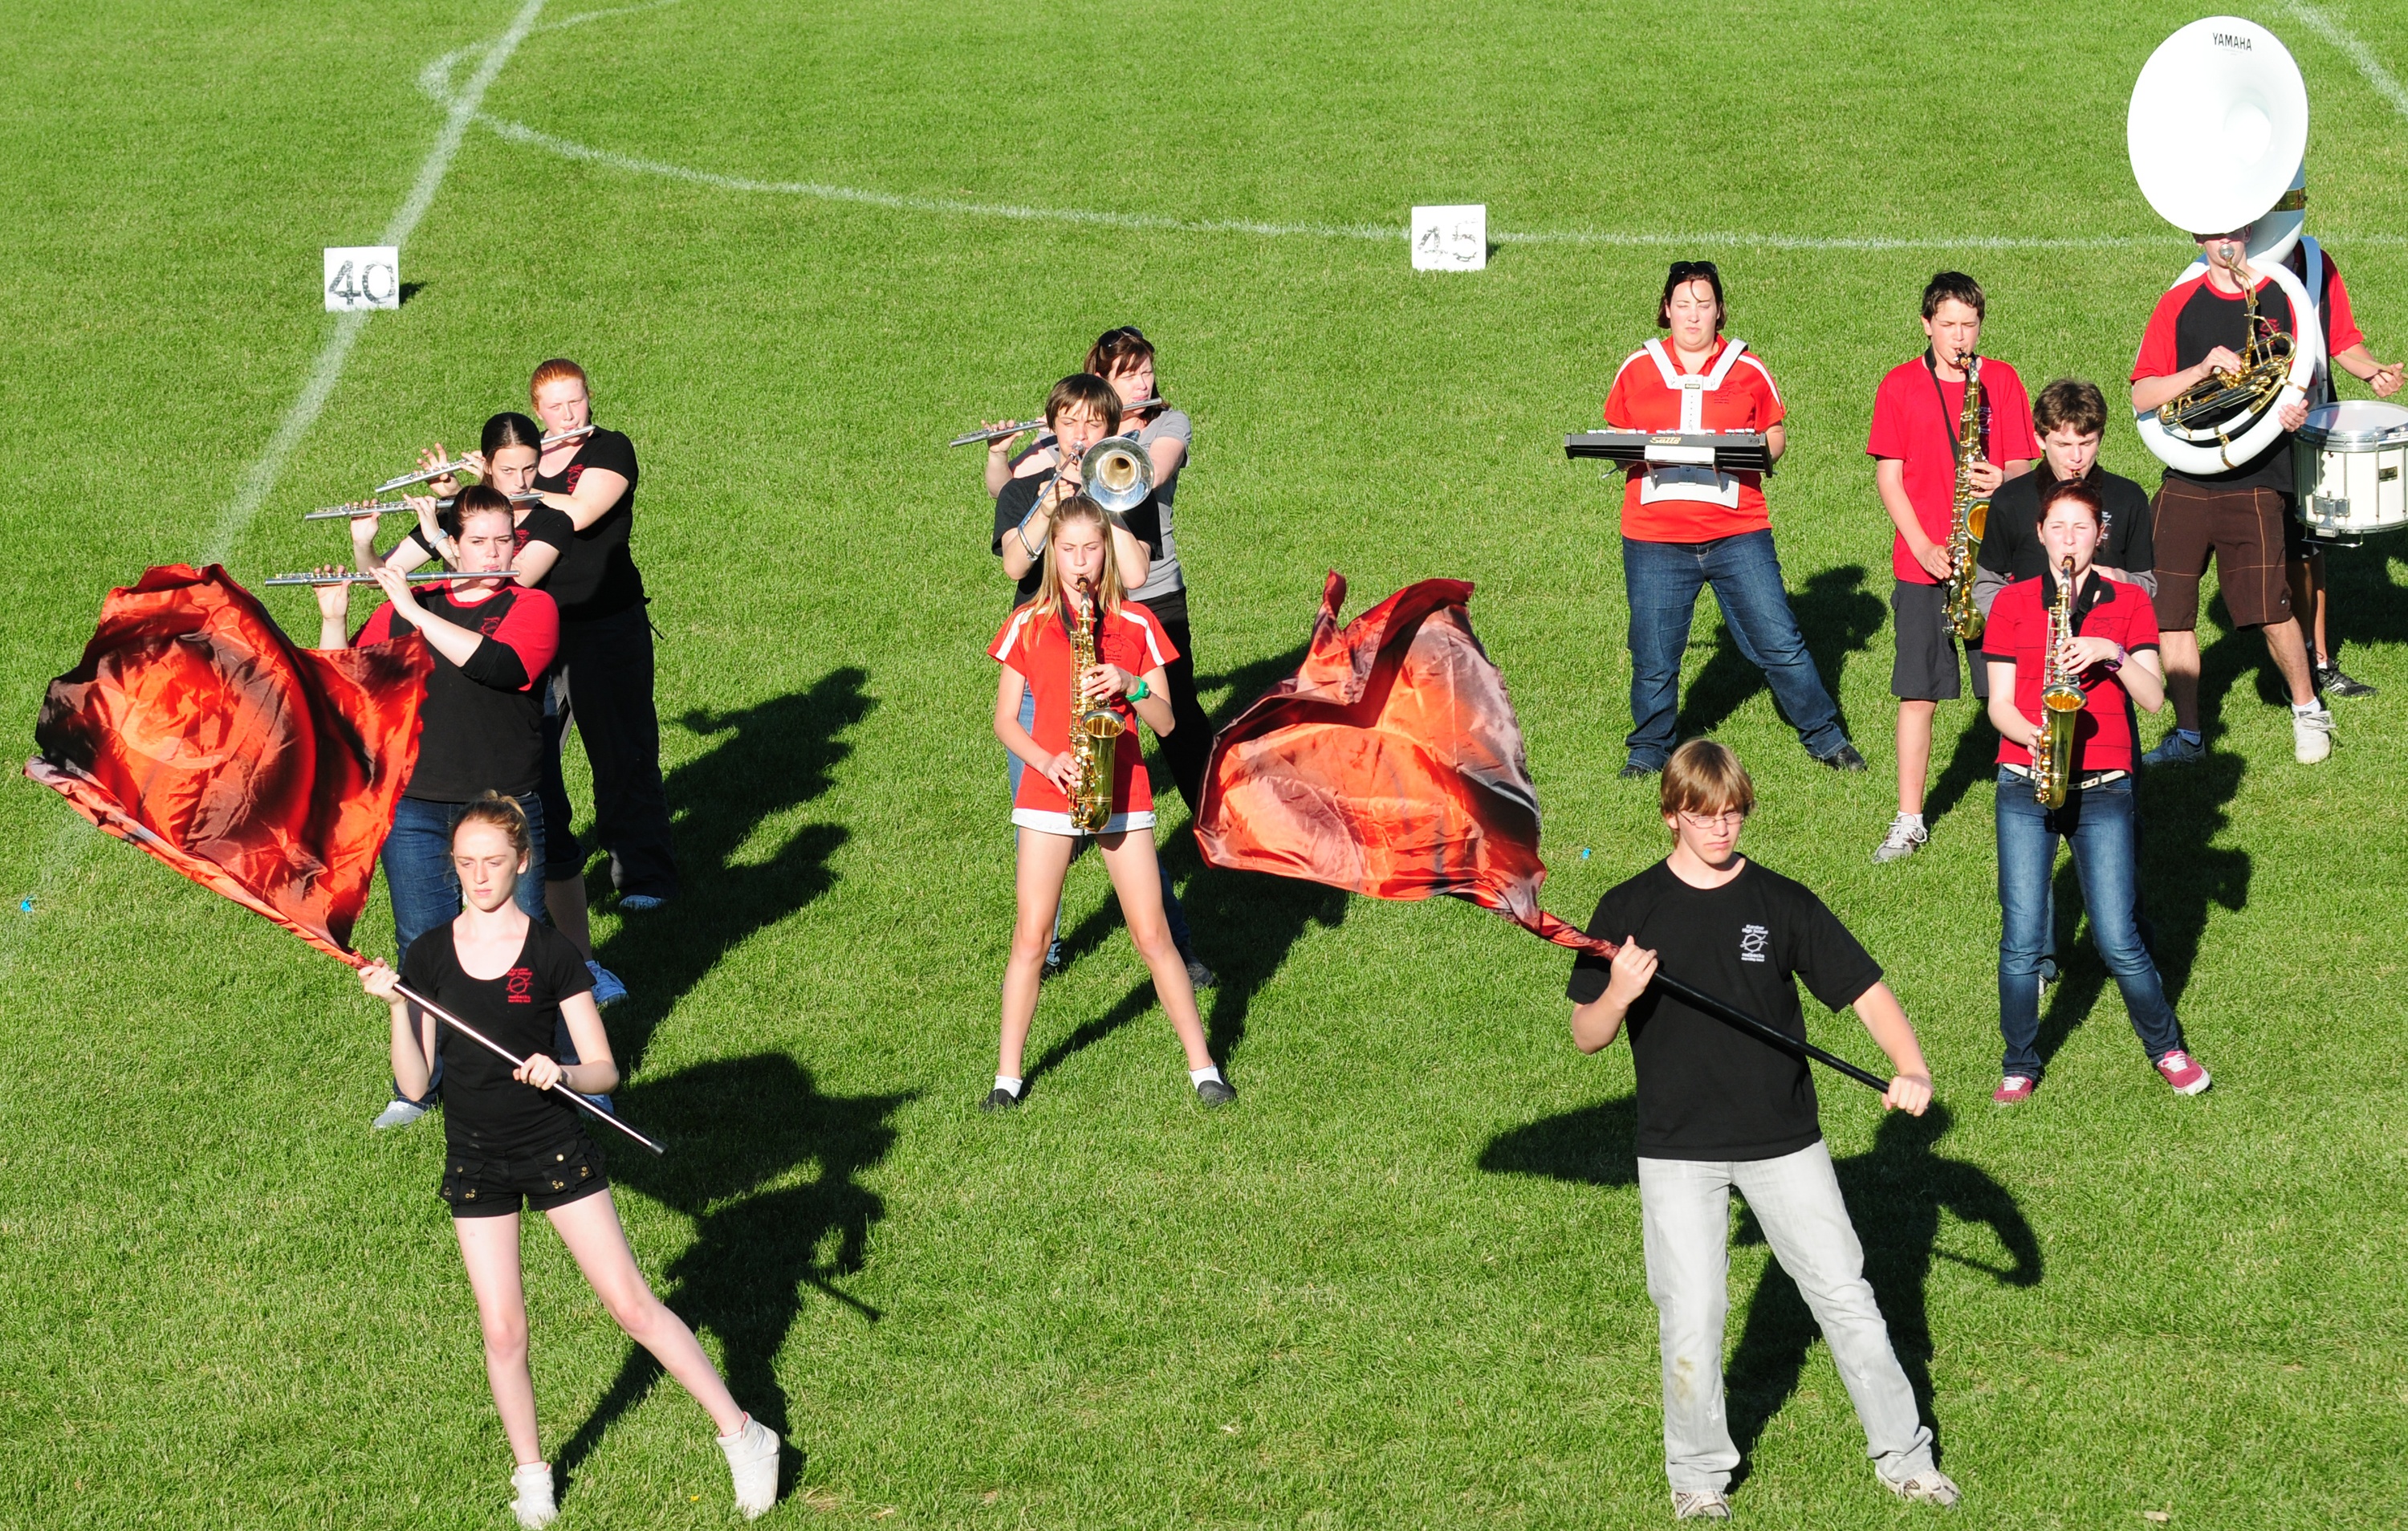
(1895, 1193)
(1974, 759)
(1837, 617)
(2362, 604)
(774, 757)
(746, 1134)
(1243, 923)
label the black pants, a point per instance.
(1189, 743)
(609, 662)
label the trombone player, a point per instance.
(2202, 330)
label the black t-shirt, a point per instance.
(1707, 1090)
(481, 726)
(1011, 507)
(485, 1112)
(2208, 319)
(2011, 539)
(597, 575)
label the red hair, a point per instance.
(553, 371)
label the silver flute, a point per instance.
(456, 464)
(395, 507)
(1015, 428)
(424, 577)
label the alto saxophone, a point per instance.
(2060, 702)
(1970, 512)
(1093, 728)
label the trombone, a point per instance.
(1015, 428)
(458, 463)
(395, 507)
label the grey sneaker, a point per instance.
(398, 1114)
(1200, 976)
(2176, 750)
(2312, 736)
(1904, 839)
(1215, 1092)
(2332, 682)
(1929, 1487)
(1700, 1505)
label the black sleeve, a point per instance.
(1590, 972)
(496, 665)
(421, 965)
(612, 451)
(1011, 507)
(563, 971)
(2137, 546)
(1144, 523)
(1997, 555)
(1835, 965)
(547, 528)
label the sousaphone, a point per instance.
(2218, 133)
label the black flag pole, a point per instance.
(1730, 1014)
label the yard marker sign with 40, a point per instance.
(363, 277)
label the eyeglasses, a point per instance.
(1683, 270)
(1732, 816)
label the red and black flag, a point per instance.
(197, 730)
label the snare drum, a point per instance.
(2350, 456)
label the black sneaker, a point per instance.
(1634, 771)
(2332, 682)
(1053, 968)
(1000, 1099)
(1843, 758)
(1215, 1092)
(1200, 976)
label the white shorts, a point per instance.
(1044, 821)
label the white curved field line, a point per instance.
(2324, 25)
(435, 81)
(75, 836)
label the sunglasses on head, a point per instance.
(1126, 332)
(1683, 270)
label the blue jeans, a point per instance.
(1175, 916)
(2098, 823)
(427, 893)
(1661, 581)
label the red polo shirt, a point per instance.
(1036, 645)
(1915, 422)
(1747, 400)
(2018, 630)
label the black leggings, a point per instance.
(610, 665)
(1188, 746)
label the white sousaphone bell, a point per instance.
(2218, 135)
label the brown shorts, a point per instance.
(2245, 532)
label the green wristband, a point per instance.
(1143, 690)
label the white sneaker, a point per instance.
(534, 1506)
(398, 1114)
(2311, 735)
(1906, 836)
(1700, 1505)
(1929, 1487)
(753, 1463)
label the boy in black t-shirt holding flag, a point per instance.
(1719, 1109)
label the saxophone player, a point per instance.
(2100, 635)
(1943, 441)
(1080, 614)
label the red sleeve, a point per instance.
(1769, 411)
(2011, 435)
(1006, 648)
(1890, 433)
(2157, 358)
(1146, 638)
(2141, 628)
(1617, 398)
(379, 628)
(2001, 635)
(2341, 325)
(530, 630)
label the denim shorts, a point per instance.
(566, 1172)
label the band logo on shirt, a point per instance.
(570, 475)
(521, 985)
(1753, 942)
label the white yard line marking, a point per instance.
(2386, 84)
(74, 837)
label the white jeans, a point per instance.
(1685, 1206)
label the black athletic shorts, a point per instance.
(1925, 668)
(494, 1188)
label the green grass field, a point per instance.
(1401, 1282)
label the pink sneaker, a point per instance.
(2014, 1090)
(2183, 1073)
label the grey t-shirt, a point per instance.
(1162, 576)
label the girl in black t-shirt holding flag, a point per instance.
(510, 1140)
(1719, 1110)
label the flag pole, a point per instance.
(447, 1019)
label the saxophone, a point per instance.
(1093, 728)
(2060, 702)
(1971, 509)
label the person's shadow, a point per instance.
(1243, 923)
(1894, 1194)
(1974, 758)
(769, 1169)
(775, 756)
(1836, 615)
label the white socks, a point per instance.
(534, 1505)
(1913, 821)
(2308, 709)
(1008, 1085)
(1197, 1075)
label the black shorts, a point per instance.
(1925, 668)
(494, 1188)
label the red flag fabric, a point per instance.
(1390, 764)
(194, 729)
